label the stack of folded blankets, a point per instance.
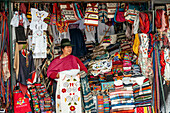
(121, 99)
(113, 48)
(142, 93)
(127, 63)
(97, 51)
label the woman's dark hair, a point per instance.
(62, 47)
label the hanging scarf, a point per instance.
(157, 80)
(57, 65)
(4, 40)
(144, 22)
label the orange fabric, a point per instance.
(142, 89)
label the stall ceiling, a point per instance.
(79, 0)
(161, 1)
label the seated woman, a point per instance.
(65, 69)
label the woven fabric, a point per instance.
(100, 104)
(91, 14)
(68, 97)
(131, 13)
(102, 7)
(106, 103)
(86, 92)
(122, 100)
(147, 109)
(111, 8)
(142, 94)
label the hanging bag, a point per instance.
(119, 15)
(91, 14)
(29, 13)
(77, 11)
(67, 12)
(53, 16)
(111, 9)
(47, 9)
(21, 103)
(131, 13)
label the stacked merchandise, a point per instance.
(120, 83)
(120, 71)
(142, 94)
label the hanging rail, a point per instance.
(79, 0)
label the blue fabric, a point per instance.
(77, 39)
(122, 104)
(86, 92)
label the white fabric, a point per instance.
(19, 18)
(167, 66)
(15, 19)
(136, 24)
(68, 88)
(59, 36)
(101, 30)
(39, 38)
(143, 53)
(90, 35)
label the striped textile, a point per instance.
(147, 109)
(102, 8)
(121, 100)
(131, 13)
(143, 94)
(91, 15)
(86, 92)
(100, 104)
(106, 103)
(111, 9)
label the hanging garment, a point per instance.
(111, 8)
(136, 44)
(77, 11)
(67, 12)
(86, 92)
(77, 39)
(19, 20)
(143, 52)
(26, 66)
(136, 24)
(102, 10)
(68, 97)
(167, 66)
(90, 33)
(102, 29)
(5, 67)
(39, 38)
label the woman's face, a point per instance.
(67, 50)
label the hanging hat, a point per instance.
(65, 42)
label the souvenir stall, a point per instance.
(123, 44)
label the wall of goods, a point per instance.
(125, 47)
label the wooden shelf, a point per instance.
(79, 0)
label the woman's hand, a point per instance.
(78, 75)
(57, 76)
